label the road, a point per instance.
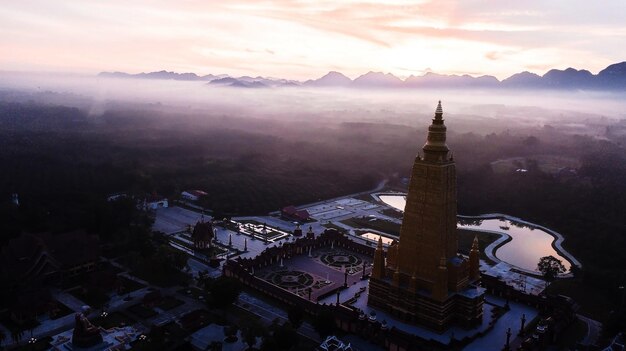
(594, 328)
(269, 313)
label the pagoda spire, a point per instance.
(378, 271)
(475, 243)
(474, 259)
(435, 149)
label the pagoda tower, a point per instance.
(425, 280)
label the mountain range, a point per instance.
(612, 77)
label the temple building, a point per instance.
(423, 279)
(202, 234)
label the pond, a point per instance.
(528, 244)
(395, 201)
(374, 236)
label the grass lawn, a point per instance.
(393, 213)
(114, 319)
(366, 197)
(169, 302)
(550, 164)
(374, 223)
(466, 238)
(142, 311)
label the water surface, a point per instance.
(374, 236)
(527, 245)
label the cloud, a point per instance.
(492, 55)
(312, 36)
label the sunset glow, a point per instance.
(305, 39)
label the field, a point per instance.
(550, 164)
(374, 223)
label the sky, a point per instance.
(302, 39)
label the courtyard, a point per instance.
(320, 272)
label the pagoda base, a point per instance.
(463, 308)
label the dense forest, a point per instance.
(62, 162)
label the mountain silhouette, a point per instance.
(331, 79)
(612, 77)
(377, 80)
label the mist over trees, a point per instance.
(64, 153)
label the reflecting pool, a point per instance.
(395, 201)
(528, 244)
(374, 236)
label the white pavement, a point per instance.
(496, 338)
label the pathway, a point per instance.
(593, 330)
(269, 313)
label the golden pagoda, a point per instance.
(425, 280)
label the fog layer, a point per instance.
(479, 111)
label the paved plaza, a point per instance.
(175, 219)
(324, 271)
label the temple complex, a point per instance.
(423, 279)
(202, 234)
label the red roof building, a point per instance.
(292, 213)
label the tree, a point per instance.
(269, 343)
(286, 337)
(223, 291)
(17, 335)
(550, 267)
(324, 323)
(295, 315)
(251, 329)
(230, 332)
(531, 141)
(248, 337)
